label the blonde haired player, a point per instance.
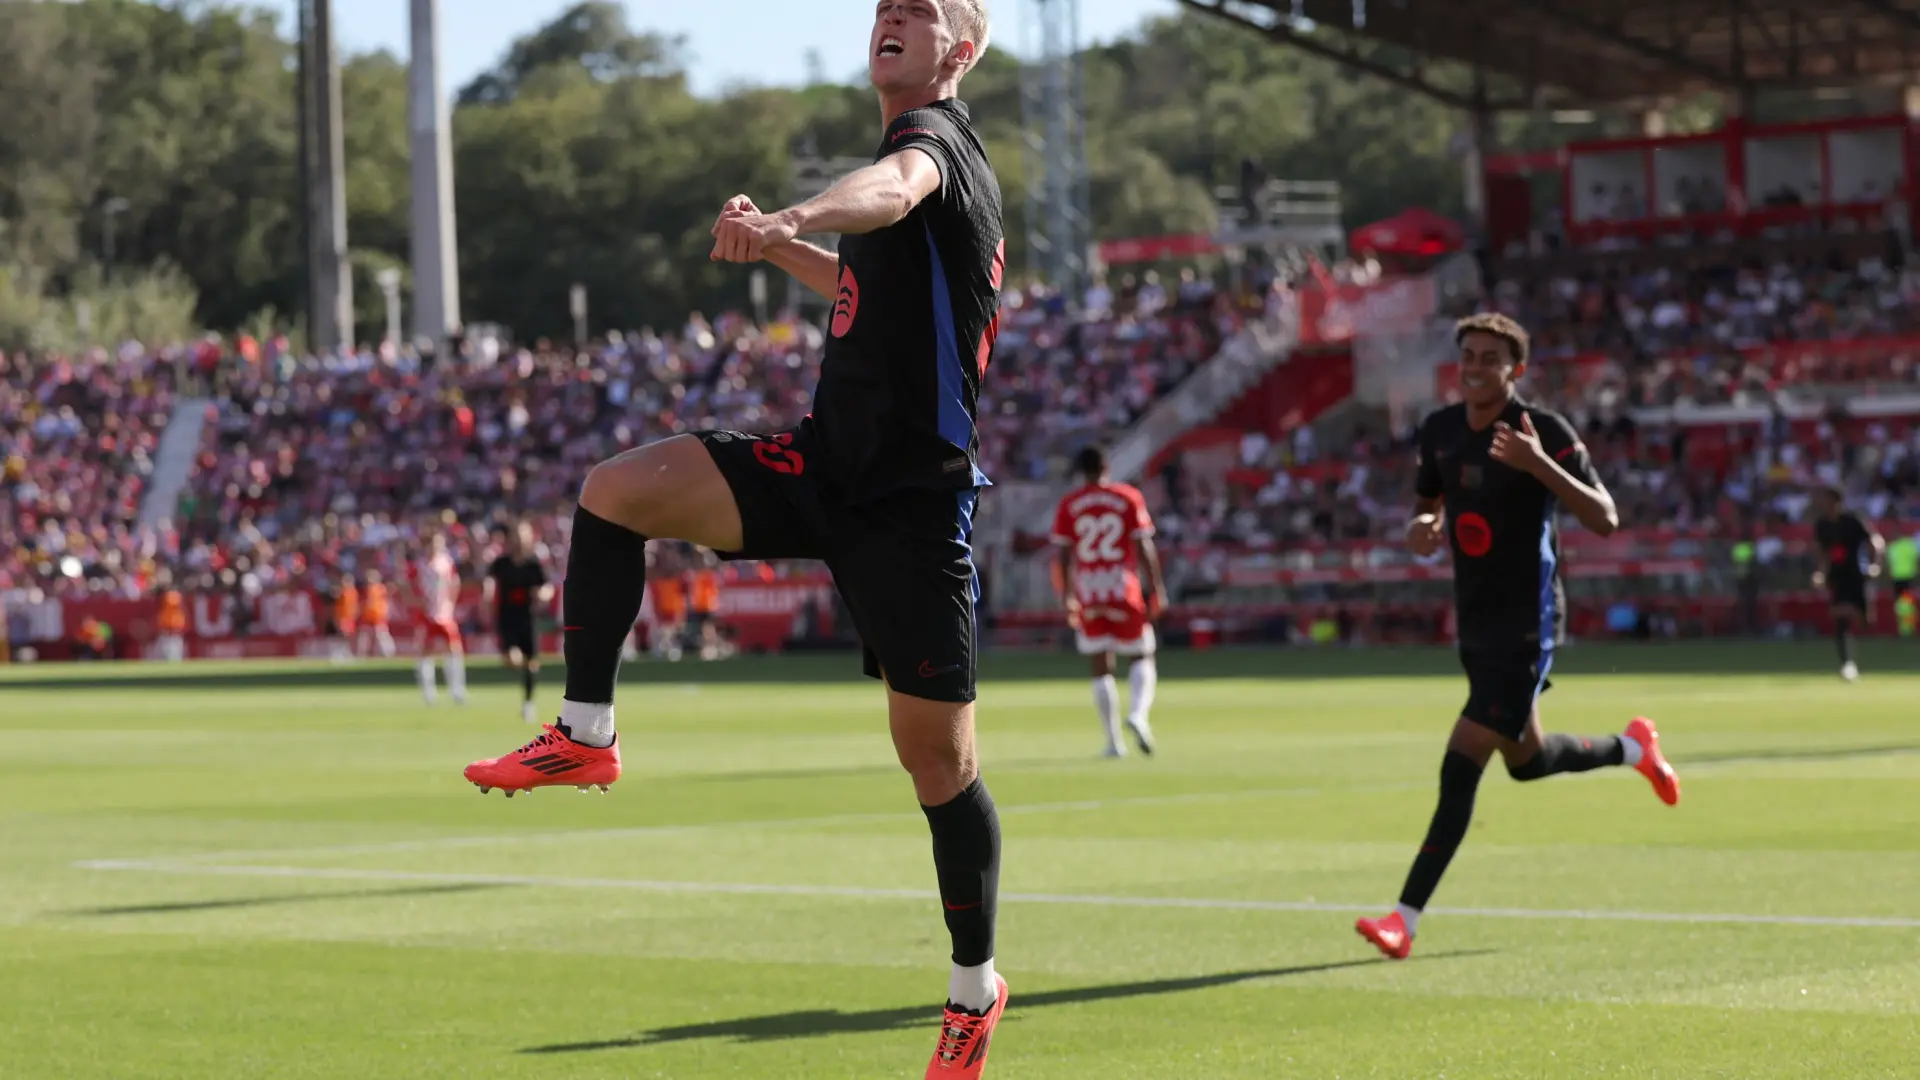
(1105, 540)
(439, 584)
(879, 482)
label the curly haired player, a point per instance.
(1497, 468)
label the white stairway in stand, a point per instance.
(173, 465)
(1242, 360)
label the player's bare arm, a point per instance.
(1425, 532)
(1156, 581)
(1063, 582)
(1879, 545)
(1521, 449)
(810, 264)
(864, 200)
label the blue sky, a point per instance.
(731, 41)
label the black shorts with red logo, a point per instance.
(903, 563)
(1503, 686)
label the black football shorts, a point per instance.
(1502, 687)
(903, 563)
(516, 632)
(1849, 591)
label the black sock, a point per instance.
(966, 857)
(528, 679)
(606, 575)
(1459, 780)
(1843, 638)
(1570, 754)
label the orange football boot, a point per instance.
(548, 761)
(962, 1051)
(1388, 934)
(1653, 764)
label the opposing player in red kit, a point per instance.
(438, 583)
(879, 482)
(1105, 540)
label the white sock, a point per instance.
(1631, 752)
(1106, 702)
(588, 724)
(1410, 916)
(972, 988)
(457, 677)
(1141, 679)
(425, 673)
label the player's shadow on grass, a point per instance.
(813, 1022)
(1811, 753)
(289, 898)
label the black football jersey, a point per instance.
(1846, 545)
(1500, 526)
(516, 582)
(914, 323)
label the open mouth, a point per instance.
(892, 46)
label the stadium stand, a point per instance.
(77, 438)
(311, 469)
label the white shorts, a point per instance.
(1143, 645)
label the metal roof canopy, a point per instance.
(1594, 52)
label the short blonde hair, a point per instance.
(970, 23)
(1500, 326)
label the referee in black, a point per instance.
(1850, 556)
(515, 583)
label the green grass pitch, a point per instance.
(277, 872)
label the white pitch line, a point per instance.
(434, 843)
(1065, 899)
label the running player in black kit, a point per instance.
(879, 481)
(1850, 554)
(1497, 468)
(515, 583)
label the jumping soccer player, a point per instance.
(1105, 537)
(515, 583)
(1498, 467)
(1852, 552)
(439, 585)
(880, 481)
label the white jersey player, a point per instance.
(439, 587)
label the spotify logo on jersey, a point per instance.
(1473, 535)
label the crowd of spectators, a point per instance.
(313, 468)
(1658, 480)
(1799, 336)
(77, 445)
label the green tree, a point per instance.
(583, 155)
(592, 36)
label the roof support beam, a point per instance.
(1737, 46)
(1282, 34)
(1765, 28)
(1639, 46)
(1401, 33)
(1893, 10)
